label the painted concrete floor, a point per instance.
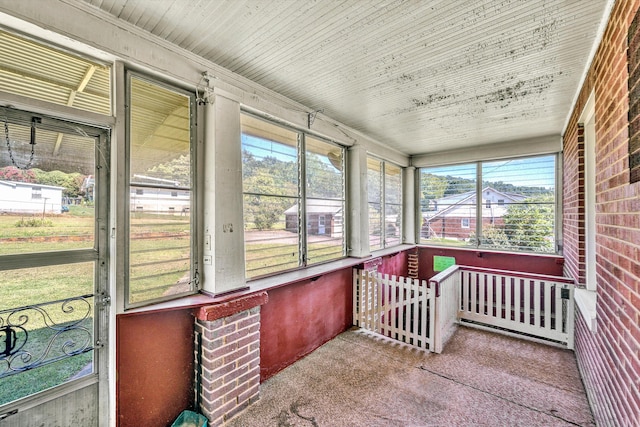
(480, 379)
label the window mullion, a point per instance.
(302, 192)
(383, 204)
(478, 204)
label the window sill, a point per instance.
(254, 286)
(263, 284)
(586, 302)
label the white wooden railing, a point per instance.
(535, 305)
(396, 307)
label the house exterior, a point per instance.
(454, 217)
(159, 200)
(324, 218)
(28, 198)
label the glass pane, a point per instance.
(448, 202)
(274, 248)
(325, 170)
(518, 204)
(271, 197)
(325, 201)
(41, 72)
(46, 314)
(46, 198)
(325, 230)
(160, 193)
(269, 158)
(374, 196)
(393, 204)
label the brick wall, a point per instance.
(228, 363)
(609, 359)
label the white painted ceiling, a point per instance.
(417, 75)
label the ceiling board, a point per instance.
(418, 76)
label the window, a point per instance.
(522, 220)
(384, 193)
(161, 253)
(36, 192)
(293, 196)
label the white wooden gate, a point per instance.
(400, 308)
(535, 305)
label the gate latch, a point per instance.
(564, 293)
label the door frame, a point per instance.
(98, 127)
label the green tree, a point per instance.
(177, 169)
(494, 237)
(263, 211)
(323, 180)
(529, 225)
(71, 182)
(433, 187)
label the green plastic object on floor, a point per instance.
(190, 419)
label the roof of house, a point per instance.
(447, 204)
(319, 206)
(29, 184)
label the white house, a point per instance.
(26, 197)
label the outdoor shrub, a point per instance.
(34, 222)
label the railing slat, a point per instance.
(393, 305)
(547, 305)
(498, 301)
(536, 302)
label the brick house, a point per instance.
(455, 216)
(324, 218)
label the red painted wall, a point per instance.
(300, 317)
(154, 364)
(609, 359)
(528, 263)
(155, 350)
(393, 265)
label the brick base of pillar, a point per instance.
(228, 363)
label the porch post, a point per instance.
(409, 205)
(358, 243)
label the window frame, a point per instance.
(302, 197)
(479, 205)
(384, 244)
(130, 74)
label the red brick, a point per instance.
(232, 306)
(235, 375)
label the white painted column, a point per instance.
(223, 242)
(358, 242)
(409, 205)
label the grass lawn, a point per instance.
(32, 286)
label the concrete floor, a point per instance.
(480, 379)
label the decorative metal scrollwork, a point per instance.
(39, 334)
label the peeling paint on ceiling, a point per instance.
(417, 75)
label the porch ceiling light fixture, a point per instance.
(32, 142)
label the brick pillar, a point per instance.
(228, 363)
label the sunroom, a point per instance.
(195, 196)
